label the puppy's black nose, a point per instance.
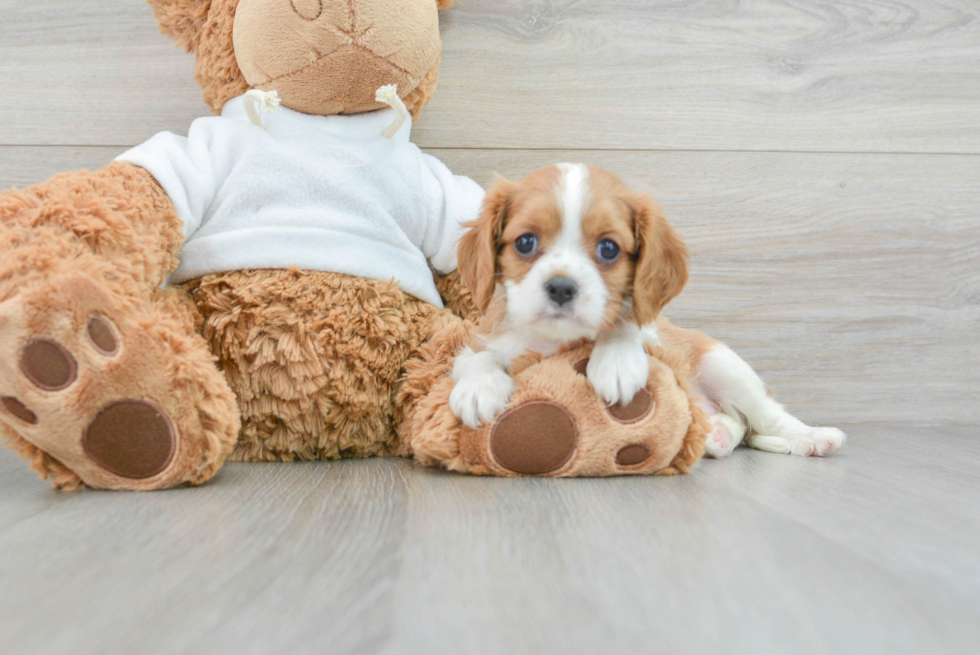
(561, 290)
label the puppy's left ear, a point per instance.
(661, 261)
(444, 4)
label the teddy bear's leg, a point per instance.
(556, 424)
(313, 358)
(110, 391)
(103, 380)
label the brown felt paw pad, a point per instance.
(102, 336)
(48, 365)
(535, 438)
(632, 455)
(19, 410)
(77, 375)
(130, 438)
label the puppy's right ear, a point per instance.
(444, 4)
(477, 253)
(182, 20)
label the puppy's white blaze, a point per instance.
(574, 194)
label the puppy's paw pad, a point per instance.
(826, 441)
(720, 442)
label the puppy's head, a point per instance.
(575, 251)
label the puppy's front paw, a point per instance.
(482, 388)
(617, 370)
(479, 399)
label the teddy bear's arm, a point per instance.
(190, 169)
(450, 201)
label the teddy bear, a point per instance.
(279, 284)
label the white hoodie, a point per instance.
(324, 193)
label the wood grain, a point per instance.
(815, 75)
(759, 553)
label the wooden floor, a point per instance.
(822, 160)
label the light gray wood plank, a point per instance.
(264, 558)
(22, 166)
(849, 281)
(651, 565)
(758, 553)
(91, 73)
(779, 75)
(905, 498)
(782, 75)
(20, 496)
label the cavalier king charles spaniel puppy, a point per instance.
(569, 253)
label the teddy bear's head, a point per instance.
(321, 56)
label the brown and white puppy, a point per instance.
(570, 253)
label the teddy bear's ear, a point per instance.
(183, 20)
(444, 4)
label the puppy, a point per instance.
(570, 253)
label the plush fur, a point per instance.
(256, 365)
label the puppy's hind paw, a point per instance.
(815, 442)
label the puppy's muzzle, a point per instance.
(561, 290)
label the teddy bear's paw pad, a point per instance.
(632, 455)
(84, 380)
(102, 335)
(637, 409)
(535, 438)
(19, 410)
(48, 365)
(130, 438)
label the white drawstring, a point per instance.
(388, 94)
(261, 102)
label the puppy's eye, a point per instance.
(607, 251)
(526, 244)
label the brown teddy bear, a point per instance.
(232, 293)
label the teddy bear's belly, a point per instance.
(312, 357)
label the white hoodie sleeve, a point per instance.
(450, 200)
(185, 168)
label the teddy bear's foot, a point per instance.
(557, 425)
(109, 391)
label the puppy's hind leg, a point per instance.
(730, 382)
